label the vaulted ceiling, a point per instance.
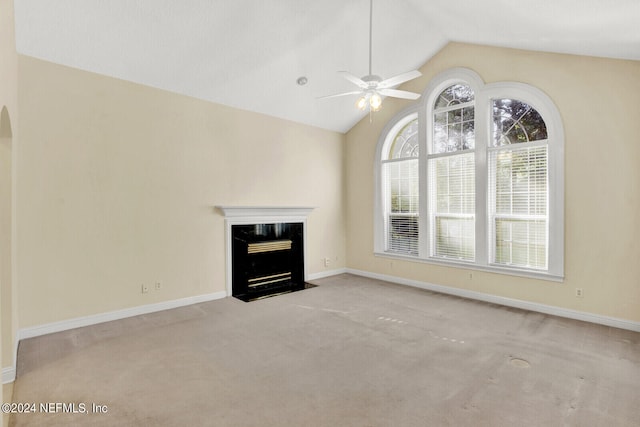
(249, 53)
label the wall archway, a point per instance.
(5, 124)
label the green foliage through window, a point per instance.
(516, 122)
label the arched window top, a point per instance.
(516, 122)
(400, 139)
(405, 142)
(459, 93)
(453, 120)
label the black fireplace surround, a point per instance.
(267, 260)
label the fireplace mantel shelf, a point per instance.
(264, 211)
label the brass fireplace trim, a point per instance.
(265, 280)
(270, 246)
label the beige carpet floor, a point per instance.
(350, 352)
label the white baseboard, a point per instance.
(78, 322)
(509, 302)
(8, 375)
(328, 273)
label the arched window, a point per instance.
(518, 185)
(451, 165)
(473, 176)
(401, 186)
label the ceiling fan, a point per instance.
(372, 87)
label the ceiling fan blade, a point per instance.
(353, 79)
(399, 93)
(400, 78)
(340, 94)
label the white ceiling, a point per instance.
(249, 53)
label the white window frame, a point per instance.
(388, 135)
(484, 94)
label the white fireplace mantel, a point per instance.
(236, 215)
(264, 211)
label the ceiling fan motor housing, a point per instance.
(372, 81)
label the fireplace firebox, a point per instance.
(267, 259)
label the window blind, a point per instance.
(518, 204)
(401, 213)
(452, 206)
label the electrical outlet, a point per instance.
(158, 286)
(579, 293)
(327, 261)
(145, 288)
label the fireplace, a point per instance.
(266, 250)
(267, 259)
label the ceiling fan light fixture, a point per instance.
(362, 103)
(375, 102)
(371, 100)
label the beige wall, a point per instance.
(597, 99)
(117, 185)
(8, 139)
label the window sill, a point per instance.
(531, 274)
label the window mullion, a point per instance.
(425, 128)
(482, 120)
